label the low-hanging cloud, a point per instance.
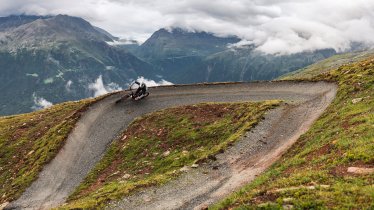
(287, 26)
(152, 83)
(40, 103)
(99, 88)
(68, 85)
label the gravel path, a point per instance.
(256, 151)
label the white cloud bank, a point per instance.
(152, 83)
(287, 26)
(40, 103)
(121, 42)
(99, 88)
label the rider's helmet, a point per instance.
(143, 85)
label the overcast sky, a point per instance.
(275, 26)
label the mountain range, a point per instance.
(57, 58)
(51, 59)
(191, 56)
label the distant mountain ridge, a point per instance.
(35, 32)
(178, 42)
(247, 64)
(187, 57)
(57, 58)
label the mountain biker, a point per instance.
(141, 90)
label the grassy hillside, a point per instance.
(317, 171)
(29, 141)
(153, 148)
(327, 65)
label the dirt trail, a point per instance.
(256, 151)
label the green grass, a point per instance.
(327, 65)
(29, 141)
(342, 137)
(154, 147)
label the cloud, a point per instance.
(287, 26)
(152, 83)
(240, 44)
(122, 42)
(99, 88)
(40, 103)
(68, 86)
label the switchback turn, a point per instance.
(99, 126)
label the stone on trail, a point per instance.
(195, 165)
(184, 169)
(147, 199)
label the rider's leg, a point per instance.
(137, 91)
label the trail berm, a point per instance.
(303, 103)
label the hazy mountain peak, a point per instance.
(166, 43)
(72, 22)
(178, 31)
(25, 31)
